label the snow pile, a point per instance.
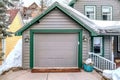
(14, 59)
(108, 73)
(112, 74)
(89, 61)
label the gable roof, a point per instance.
(33, 5)
(12, 13)
(72, 13)
(17, 23)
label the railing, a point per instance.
(101, 63)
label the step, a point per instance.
(38, 70)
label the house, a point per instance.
(7, 45)
(99, 9)
(31, 11)
(16, 24)
(106, 10)
(61, 37)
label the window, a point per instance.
(97, 45)
(118, 43)
(90, 12)
(106, 12)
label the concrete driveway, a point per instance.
(27, 75)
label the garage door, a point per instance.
(55, 50)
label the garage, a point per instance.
(55, 39)
(56, 50)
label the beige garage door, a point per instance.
(55, 50)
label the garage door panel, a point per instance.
(55, 63)
(55, 50)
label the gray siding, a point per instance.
(80, 4)
(54, 20)
(26, 49)
(107, 47)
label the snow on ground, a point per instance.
(112, 74)
(14, 59)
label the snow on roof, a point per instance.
(108, 27)
(107, 24)
(97, 25)
(82, 17)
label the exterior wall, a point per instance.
(80, 4)
(11, 41)
(54, 20)
(108, 47)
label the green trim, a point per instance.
(31, 49)
(102, 44)
(72, 3)
(91, 44)
(33, 31)
(80, 50)
(55, 30)
(64, 10)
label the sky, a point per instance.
(29, 2)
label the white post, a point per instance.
(112, 57)
(112, 51)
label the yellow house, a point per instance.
(10, 42)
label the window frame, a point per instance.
(102, 45)
(111, 12)
(94, 11)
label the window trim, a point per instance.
(111, 18)
(92, 46)
(94, 6)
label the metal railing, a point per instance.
(101, 63)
